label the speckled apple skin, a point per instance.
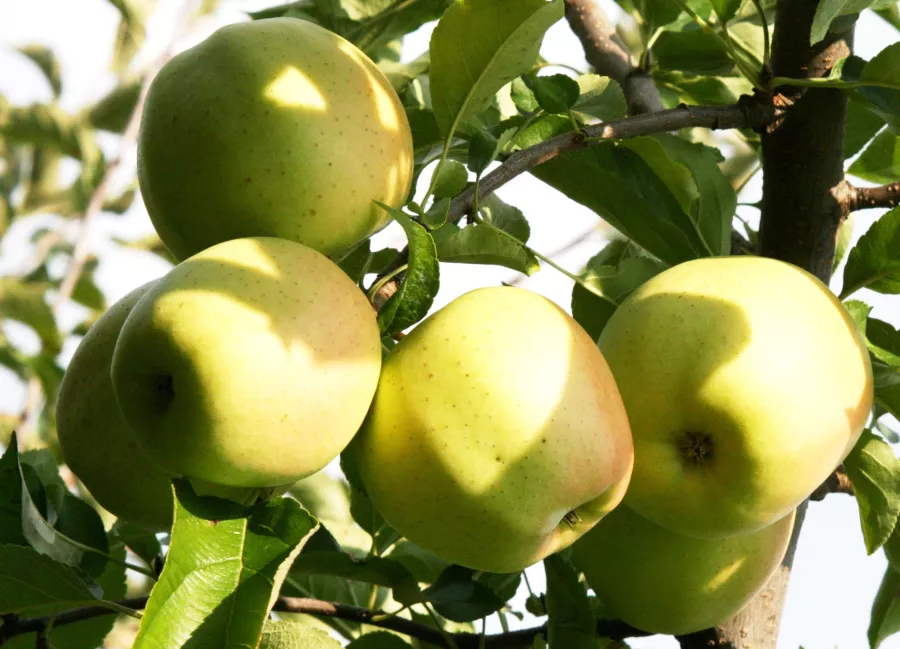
(275, 127)
(251, 364)
(494, 419)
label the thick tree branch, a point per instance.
(13, 626)
(750, 112)
(853, 199)
(610, 57)
(802, 161)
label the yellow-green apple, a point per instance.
(96, 444)
(497, 435)
(746, 383)
(663, 582)
(249, 365)
(275, 127)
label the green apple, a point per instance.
(497, 435)
(249, 365)
(96, 444)
(746, 383)
(275, 127)
(662, 582)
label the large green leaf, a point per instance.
(880, 161)
(223, 571)
(479, 46)
(874, 471)
(874, 262)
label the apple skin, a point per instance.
(662, 582)
(96, 443)
(495, 420)
(746, 384)
(249, 365)
(275, 127)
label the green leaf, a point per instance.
(623, 189)
(828, 10)
(883, 341)
(48, 126)
(874, 262)
(113, 111)
(11, 496)
(892, 549)
(223, 572)
(457, 596)
(46, 60)
(522, 97)
(451, 179)
(25, 303)
(862, 125)
(86, 633)
(874, 471)
(600, 98)
(483, 150)
(142, 542)
(504, 216)
(713, 209)
(32, 581)
(885, 620)
(555, 93)
(571, 621)
(356, 262)
(692, 50)
(704, 89)
(402, 74)
(884, 68)
(425, 566)
(421, 281)
(78, 538)
(290, 635)
(880, 161)
(370, 570)
(379, 640)
(725, 9)
(81, 523)
(478, 47)
(480, 244)
(890, 14)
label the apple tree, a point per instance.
(124, 540)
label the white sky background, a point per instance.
(833, 581)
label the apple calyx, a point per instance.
(696, 448)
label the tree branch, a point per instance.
(837, 483)
(610, 57)
(13, 626)
(750, 112)
(853, 199)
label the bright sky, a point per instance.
(833, 582)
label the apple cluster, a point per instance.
(670, 455)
